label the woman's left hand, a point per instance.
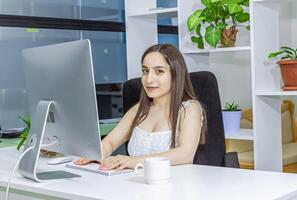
(119, 162)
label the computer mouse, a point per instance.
(59, 160)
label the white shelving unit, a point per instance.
(271, 26)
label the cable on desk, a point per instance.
(18, 162)
(13, 171)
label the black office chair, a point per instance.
(213, 152)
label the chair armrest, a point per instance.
(231, 160)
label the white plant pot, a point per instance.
(231, 121)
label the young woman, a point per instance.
(168, 121)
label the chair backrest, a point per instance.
(206, 89)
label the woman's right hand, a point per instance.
(85, 161)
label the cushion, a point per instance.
(287, 132)
(289, 155)
(239, 145)
(244, 123)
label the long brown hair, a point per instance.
(181, 89)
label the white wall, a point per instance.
(233, 72)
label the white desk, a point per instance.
(187, 182)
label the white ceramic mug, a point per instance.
(156, 170)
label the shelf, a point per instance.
(276, 93)
(243, 134)
(229, 49)
(161, 12)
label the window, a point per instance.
(31, 23)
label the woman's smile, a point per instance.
(151, 89)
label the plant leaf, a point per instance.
(209, 14)
(275, 54)
(221, 26)
(287, 48)
(226, 2)
(285, 57)
(199, 41)
(234, 8)
(246, 3)
(26, 120)
(25, 132)
(289, 51)
(198, 30)
(21, 142)
(194, 20)
(212, 35)
(242, 17)
(206, 2)
(231, 106)
(248, 27)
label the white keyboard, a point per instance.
(94, 168)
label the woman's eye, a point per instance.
(145, 71)
(159, 71)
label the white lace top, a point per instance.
(143, 142)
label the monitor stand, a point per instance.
(28, 163)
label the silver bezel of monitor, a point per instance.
(62, 103)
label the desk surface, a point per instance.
(187, 182)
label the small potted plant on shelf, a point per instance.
(219, 21)
(231, 117)
(288, 66)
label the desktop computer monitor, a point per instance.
(62, 103)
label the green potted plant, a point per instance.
(288, 66)
(219, 21)
(25, 132)
(231, 117)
